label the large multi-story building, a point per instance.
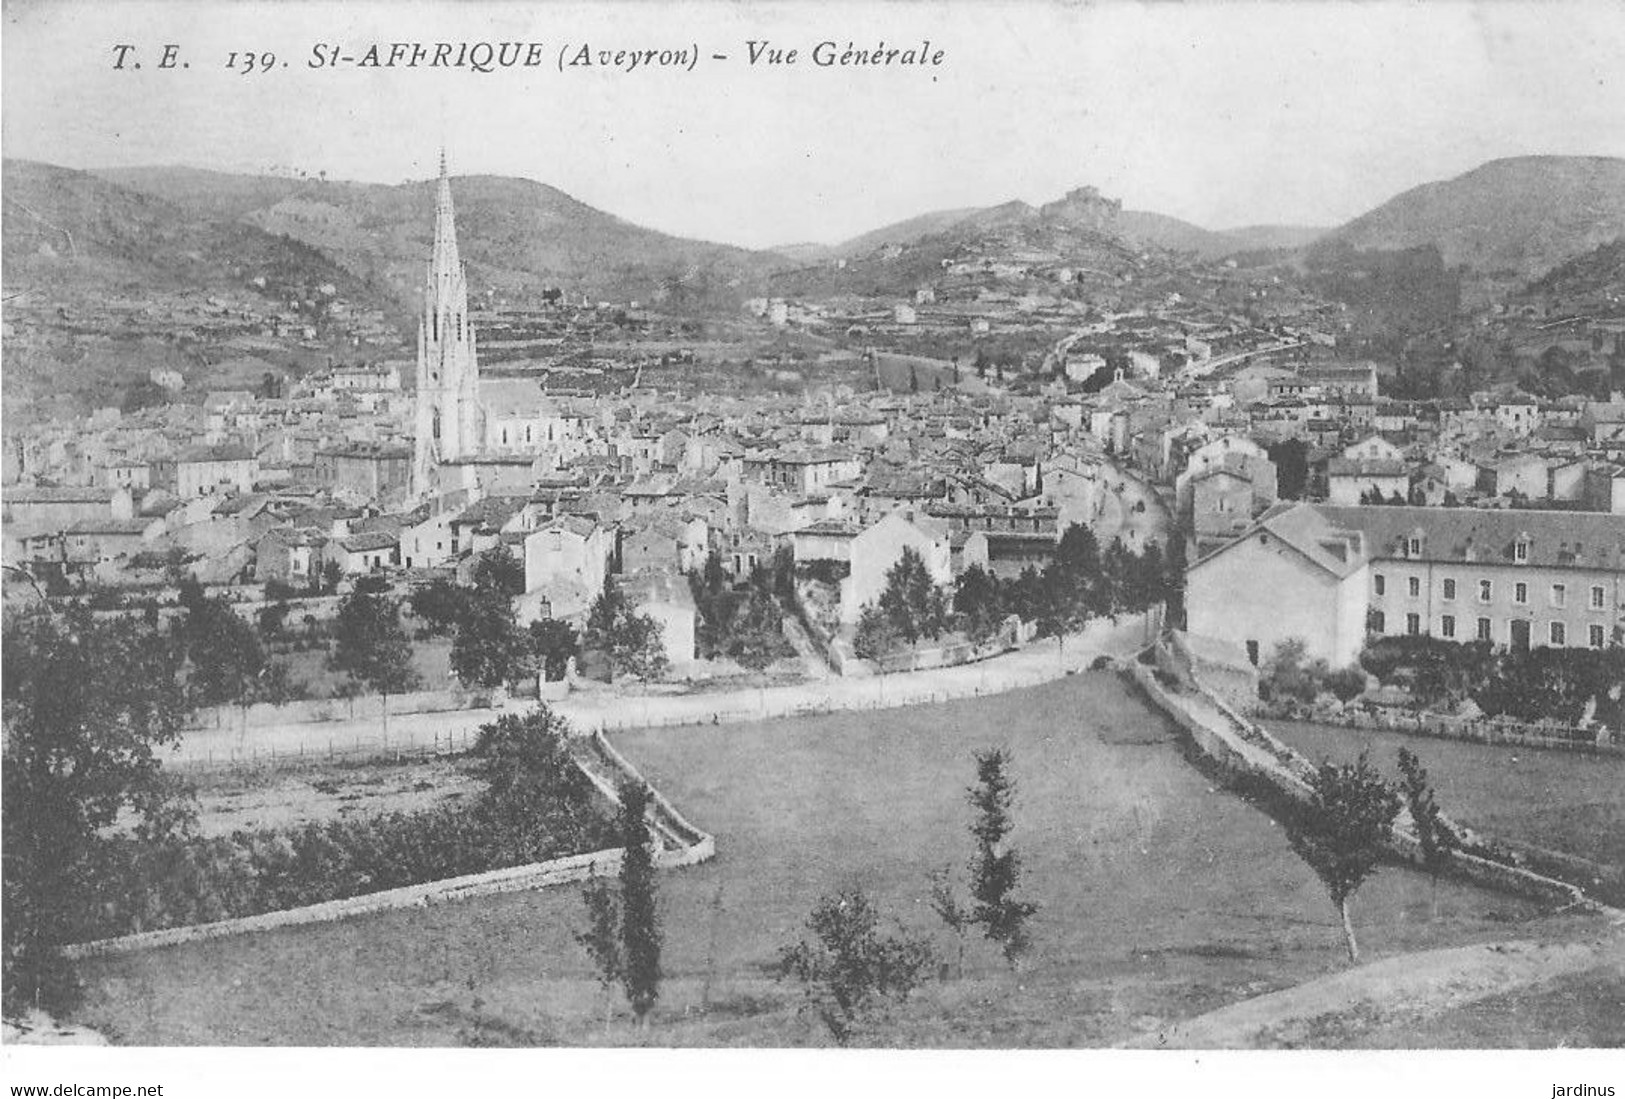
(1331, 575)
(1517, 578)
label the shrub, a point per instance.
(849, 965)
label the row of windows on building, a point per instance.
(1557, 633)
(1557, 597)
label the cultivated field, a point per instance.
(1161, 898)
(251, 799)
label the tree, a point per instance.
(639, 647)
(1173, 579)
(224, 653)
(977, 602)
(325, 581)
(1436, 839)
(86, 706)
(996, 868)
(441, 604)
(602, 939)
(371, 645)
(271, 619)
(1027, 597)
(875, 635)
(488, 649)
(554, 643)
(499, 570)
(623, 936)
(946, 904)
(1341, 831)
(755, 632)
(1287, 675)
(1074, 586)
(640, 917)
(849, 964)
(633, 642)
(911, 600)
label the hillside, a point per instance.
(516, 235)
(70, 232)
(1598, 273)
(1161, 231)
(1515, 218)
(903, 232)
(105, 283)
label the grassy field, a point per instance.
(1566, 802)
(1160, 898)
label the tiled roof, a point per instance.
(1563, 539)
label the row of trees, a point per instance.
(1081, 581)
(1523, 685)
(744, 622)
(489, 649)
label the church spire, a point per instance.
(444, 264)
(450, 420)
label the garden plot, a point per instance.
(283, 798)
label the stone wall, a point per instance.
(1240, 748)
(679, 844)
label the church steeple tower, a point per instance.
(450, 422)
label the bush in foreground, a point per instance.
(849, 966)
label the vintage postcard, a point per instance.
(775, 526)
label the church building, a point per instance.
(450, 419)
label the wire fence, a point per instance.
(250, 756)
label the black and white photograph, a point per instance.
(812, 531)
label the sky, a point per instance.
(1221, 113)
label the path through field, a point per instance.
(1410, 987)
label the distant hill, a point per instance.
(1512, 219)
(903, 232)
(70, 231)
(1141, 227)
(1076, 230)
(515, 234)
(1161, 231)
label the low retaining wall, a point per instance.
(1239, 747)
(680, 844)
(513, 879)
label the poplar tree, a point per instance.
(995, 869)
